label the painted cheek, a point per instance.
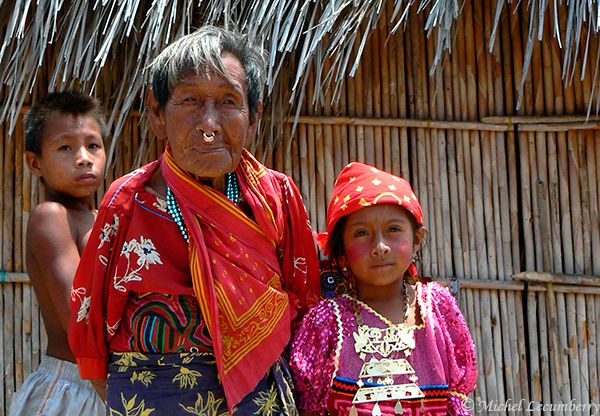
(356, 252)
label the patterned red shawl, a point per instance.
(249, 275)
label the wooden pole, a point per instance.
(594, 197)
(591, 337)
(558, 278)
(367, 86)
(7, 265)
(423, 123)
(395, 55)
(373, 73)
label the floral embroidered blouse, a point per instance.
(132, 290)
(326, 367)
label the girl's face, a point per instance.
(379, 243)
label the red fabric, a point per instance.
(359, 186)
(278, 242)
(97, 301)
(241, 296)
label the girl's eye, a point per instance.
(360, 233)
(94, 146)
(395, 229)
(65, 147)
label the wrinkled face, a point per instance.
(212, 105)
(72, 156)
(379, 243)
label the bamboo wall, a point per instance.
(503, 191)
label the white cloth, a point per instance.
(55, 389)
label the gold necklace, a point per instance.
(374, 346)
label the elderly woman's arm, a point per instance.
(92, 318)
(300, 265)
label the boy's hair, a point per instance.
(66, 102)
(200, 53)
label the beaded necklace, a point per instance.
(232, 192)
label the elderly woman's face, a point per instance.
(213, 105)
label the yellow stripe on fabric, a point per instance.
(253, 181)
(240, 320)
(199, 288)
(216, 197)
(256, 338)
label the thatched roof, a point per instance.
(97, 39)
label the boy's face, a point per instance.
(72, 157)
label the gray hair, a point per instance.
(200, 53)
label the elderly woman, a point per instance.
(199, 262)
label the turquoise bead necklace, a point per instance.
(232, 192)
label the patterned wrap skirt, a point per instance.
(187, 383)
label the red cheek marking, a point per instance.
(357, 251)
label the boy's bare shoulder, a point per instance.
(47, 212)
(49, 220)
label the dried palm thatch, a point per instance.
(116, 39)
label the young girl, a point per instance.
(398, 345)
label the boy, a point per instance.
(64, 136)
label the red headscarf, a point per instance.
(359, 186)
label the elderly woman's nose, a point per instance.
(208, 118)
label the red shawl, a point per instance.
(249, 275)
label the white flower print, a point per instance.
(160, 204)
(84, 309)
(109, 231)
(146, 256)
(112, 329)
(300, 264)
(146, 252)
(77, 293)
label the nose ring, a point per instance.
(206, 138)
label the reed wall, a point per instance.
(504, 191)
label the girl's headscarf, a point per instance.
(359, 186)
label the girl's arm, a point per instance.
(313, 354)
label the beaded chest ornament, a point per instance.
(371, 343)
(232, 193)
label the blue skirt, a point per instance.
(188, 384)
